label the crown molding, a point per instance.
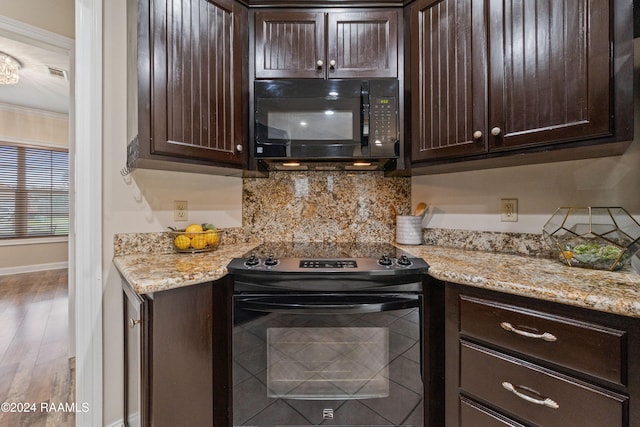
(32, 111)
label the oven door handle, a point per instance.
(291, 304)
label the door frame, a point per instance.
(88, 211)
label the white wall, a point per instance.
(34, 127)
(471, 200)
(143, 201)
(56, 16)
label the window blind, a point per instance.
(34, 192)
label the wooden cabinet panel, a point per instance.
(135, 366)
(449, 79)
(585, 347)
(475, 415)
(177, 356)
(289, 44)
(181, 356)
(187, 97)
(363, 44)
(550, 71)
(482, 357)
(564, 399)
(493, 78)
(196, 80)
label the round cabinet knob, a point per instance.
(320, 63)
(239, 148)
(332, 63)
(477, 135)
(496, 131)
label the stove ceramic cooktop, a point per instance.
(335, 258)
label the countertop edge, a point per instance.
(543, 279)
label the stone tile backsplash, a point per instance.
(324, 206)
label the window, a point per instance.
(34, 192)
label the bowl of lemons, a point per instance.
(196, 238)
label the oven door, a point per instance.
(330, 359)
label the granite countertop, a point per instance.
(148, 273)
(541, 278)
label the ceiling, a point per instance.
(37, 87)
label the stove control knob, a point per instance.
(251, 261)
(270, 261)
(384, 260)
(404, 261)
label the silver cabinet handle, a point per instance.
(239, 148)
(543, 336)
(332, 63)
(133, 323)
(320, 63)
(549, 403)
(496, 131)
(477, 135)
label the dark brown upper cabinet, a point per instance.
(318, 45)
(494, 77)
(192, 97)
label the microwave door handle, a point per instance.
(365, 114)
(276, 306)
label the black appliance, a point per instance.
(328, 334)
(326, 120)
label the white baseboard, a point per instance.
(31, 268)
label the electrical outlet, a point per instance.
(180, 210)
(509, 210)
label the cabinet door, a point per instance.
(289, 44)
(362, 44)
(181, 357)
(448, 75)
(550, 71)
(196, 79)
(134, 380)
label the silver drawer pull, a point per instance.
(549, 403)
(544, 336)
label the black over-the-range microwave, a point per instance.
(326, 120)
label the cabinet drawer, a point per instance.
(475, 415)
(536, 395)
(585, 347)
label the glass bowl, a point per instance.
(602, 238)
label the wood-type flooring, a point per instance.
(36, 374)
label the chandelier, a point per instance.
(9, 67)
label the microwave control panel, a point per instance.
(384, 119)
(383, 140)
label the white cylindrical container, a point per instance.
(409, 229)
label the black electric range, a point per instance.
(327, 266)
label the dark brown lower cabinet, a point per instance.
(474, 414)
(515, 361)
(177, 356)
(498, 360)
